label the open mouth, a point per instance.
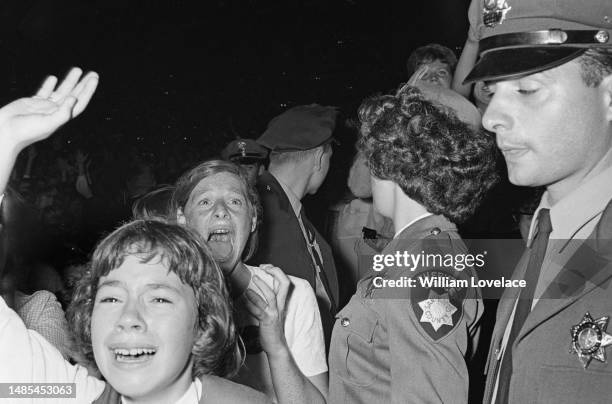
(220, 242)
(133, 355)
(219, 235)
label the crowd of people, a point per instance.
(182, 280)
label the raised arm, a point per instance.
(464, 66)
(26, 357)
(28, 120)
(469, 54)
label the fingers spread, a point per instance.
(84, 90)
(47, 87)
(67, 85)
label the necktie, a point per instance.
(320, 273)
(523, 306)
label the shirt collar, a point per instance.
(423, 216)
(191, 396)
(295, 202)
(579, 207)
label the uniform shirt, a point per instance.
(407, 345)
(573, 218)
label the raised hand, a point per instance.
(268, 307)
(27, 120)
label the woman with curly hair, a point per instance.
(406, 332)
(151, 314)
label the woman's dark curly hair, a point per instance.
(436, 159)
(189, 180)
(217, 350)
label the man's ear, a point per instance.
(318, 157)
(180, 217)
(253, 223)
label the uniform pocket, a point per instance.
(357, 325)
(560, 385)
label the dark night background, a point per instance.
(204, 72)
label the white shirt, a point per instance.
(303, 332)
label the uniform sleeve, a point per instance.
(424, 371)
(303, 329)
(474, 16)
(34, 360)
(432, 329)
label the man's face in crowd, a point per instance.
(219, 211)
(437, 73)
(143, 328)
(252, 170)
(551, 128)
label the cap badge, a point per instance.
(242, 147)
(494, 12)
(589, 339)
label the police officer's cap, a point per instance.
(300, 128)
(244, 151)
(522, 37)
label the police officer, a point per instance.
(248, 154)
(549, 67)
(399, 340)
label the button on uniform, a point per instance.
(345, 322)
(435, 231)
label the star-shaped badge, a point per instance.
(437, 311)
(589, 339)
(494, 12)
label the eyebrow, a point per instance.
(194, 195)
(154, 286)
(110, 283)
(162, 286)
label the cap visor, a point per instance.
(503, 64)
(247, 159)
